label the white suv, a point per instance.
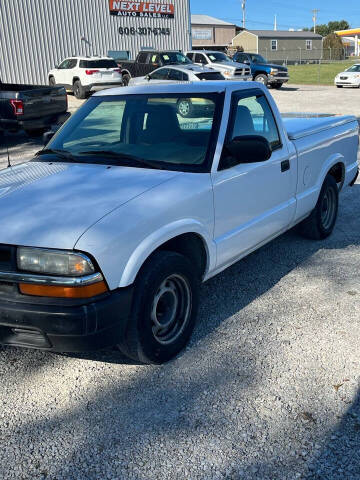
(82, 75)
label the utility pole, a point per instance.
(243, 6)
(315, 12)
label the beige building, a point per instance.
(211, 33)
(281, 45)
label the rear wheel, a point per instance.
(79, 90)
(34, 132)
(321, 222)
(52, 81)
(185, 108)
(262, 78)
(165, 306)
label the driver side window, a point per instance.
(161, 74)
(64, 65)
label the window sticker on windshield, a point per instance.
(166, 57)
(212, 57)
(153, 58)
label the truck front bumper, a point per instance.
(277, 79)
(61, 327)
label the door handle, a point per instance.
(285, 165)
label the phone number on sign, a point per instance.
(144, 31)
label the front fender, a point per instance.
(158, 238)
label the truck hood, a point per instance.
(272, 65)
(51, 204)
(229, 65)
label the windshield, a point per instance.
(354, 68)
(169, 58)
(160, 131)
(257, 58)
(219, 57)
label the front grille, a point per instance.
(343, 78)
(240, 71)
(282, 74)
(7, 258)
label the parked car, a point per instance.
(149, 60)
(35, 108)
(83, 75)
(262, 71)
(107, 233)
(349, 78)
(174, 74)
(222, 63)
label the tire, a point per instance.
(185, 108)
(34, 132)
(339, 86)
(52, 81)
(277, 85)
(167, 286)
(79, 90)
(262, 78)
(125, 79)
(321, 222)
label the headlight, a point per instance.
(227, 73)
(274, 71)
(54, 262)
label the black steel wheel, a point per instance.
(164, 310)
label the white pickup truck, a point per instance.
(108, 232)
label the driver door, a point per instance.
(254, 201)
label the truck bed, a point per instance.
(302, 125)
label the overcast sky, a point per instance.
(290, 14)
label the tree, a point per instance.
(333, 48)
(331, 27)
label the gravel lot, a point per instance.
(267, 390)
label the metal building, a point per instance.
(35, 35)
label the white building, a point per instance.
(37, 34)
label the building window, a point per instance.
(308, 44)
(274, 44)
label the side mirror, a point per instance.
(56, 66)
(246, 149)
(148, 78)
(247, 62)
(48, 136)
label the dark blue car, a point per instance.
(262, 71)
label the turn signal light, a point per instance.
(85, 291)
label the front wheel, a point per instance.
(34, 132)
(339, 86)
(262, 78)
(52, 82)
(277, 85)
(125, 79)
(166, 295)
(321, 222)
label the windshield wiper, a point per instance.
(60, 153)
(124, 156)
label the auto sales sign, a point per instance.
(141, 9)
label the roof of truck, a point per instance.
(181, 87)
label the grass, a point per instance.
(322, 74)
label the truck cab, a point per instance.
(262, 71)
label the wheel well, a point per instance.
(260, 73)
(75, 79)
(191, 246)
(125, 72)
(338, 172)
(51, 76)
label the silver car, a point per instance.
(178, 73)
(222, 63)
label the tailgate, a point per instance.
(43, 101)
